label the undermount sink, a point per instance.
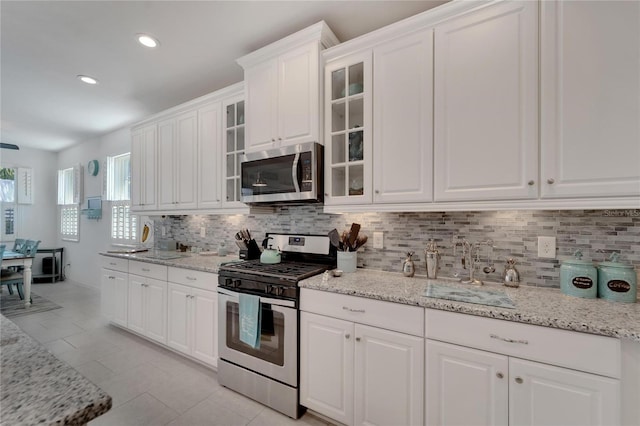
(479, 296)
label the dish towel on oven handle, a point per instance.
(250, 317)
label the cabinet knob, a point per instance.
(279, 139)
(499, 375)
(357, 339)
(273, 140)
(519, 380)
(326, 194)
(530, 183)
(346, 336)
(377, 191)
(550, 181)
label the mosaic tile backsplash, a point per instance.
(596, 233)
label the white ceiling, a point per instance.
(45, 44)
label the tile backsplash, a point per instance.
(596, 233)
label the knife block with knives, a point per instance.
(249, 249)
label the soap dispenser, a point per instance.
(408, 267)
(432, 257)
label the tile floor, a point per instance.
(149, 385)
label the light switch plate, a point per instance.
(378, 240)
(547, 247)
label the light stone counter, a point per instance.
(537, 306)
(192, 261)
(38, 388)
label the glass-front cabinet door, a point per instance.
(348, 112)
(234, 146)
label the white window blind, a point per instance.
(119, 177)
(124, 225)
(8, 204)
(25, 185)
(69, 198)
(69, 216)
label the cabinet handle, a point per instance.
(111, 277)
(505, 339)
(146, 269)
(530, 183)
(353, 310)
(192, 279)
(519, 380)
(279, 139)
(550, 181)
(499, 375)
(326, 194)
(357, 339)
(346, 336)
(111, 263)
(273, 140)
(377, 191)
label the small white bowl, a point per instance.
(337, 272)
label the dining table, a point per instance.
(12, 258)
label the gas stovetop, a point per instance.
(284, 271)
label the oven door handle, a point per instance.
(278, 302)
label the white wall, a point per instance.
(81, 258)
(37, 221)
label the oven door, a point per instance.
(277, 356)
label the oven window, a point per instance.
(271, 334)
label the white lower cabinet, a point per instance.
(113, 285)
(147, 313)
(499, 386)
(355, 373)
(192, 322)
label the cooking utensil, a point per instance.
(344, 240)
(334, 237)
(353, 235)
(360, 241)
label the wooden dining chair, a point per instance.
(10, 278)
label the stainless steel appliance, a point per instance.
(291, 174)
(268, 374)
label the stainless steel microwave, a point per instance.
(291, 174)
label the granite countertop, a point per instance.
(194, 261)
(538, 306)
(38, 388)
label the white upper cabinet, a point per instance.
(590, 94)
(233, 146)
(209, 144)
(403, 119)
(486, 104)
(143, 168)
(177, 142)
(348, 155)
(283, 88)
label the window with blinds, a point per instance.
(69, 198)
(124, 225)
(8, 203)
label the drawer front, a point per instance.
(198, 279)
(150, 270)
(115, 263)
(578, 351)
(388, 315)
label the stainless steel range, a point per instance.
(268, 372)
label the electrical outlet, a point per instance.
(203, 232)
(547, 247)
(378, 240)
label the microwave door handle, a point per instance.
(294, 172)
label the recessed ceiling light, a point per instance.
(87, 79)
(147, 40)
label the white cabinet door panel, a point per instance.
(262, 105)
(135, 298)
(542, 394)
(185, 151)
(107, 293)
(155, 310)
(389, 373)
(326, 362)
(590, 94)
(178, 298)
(486, 104)
(209, 156)
(403, 119)
(204, 325)
(166, 158)
(298, 93)
(465, 386)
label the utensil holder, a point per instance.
(347, 260)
